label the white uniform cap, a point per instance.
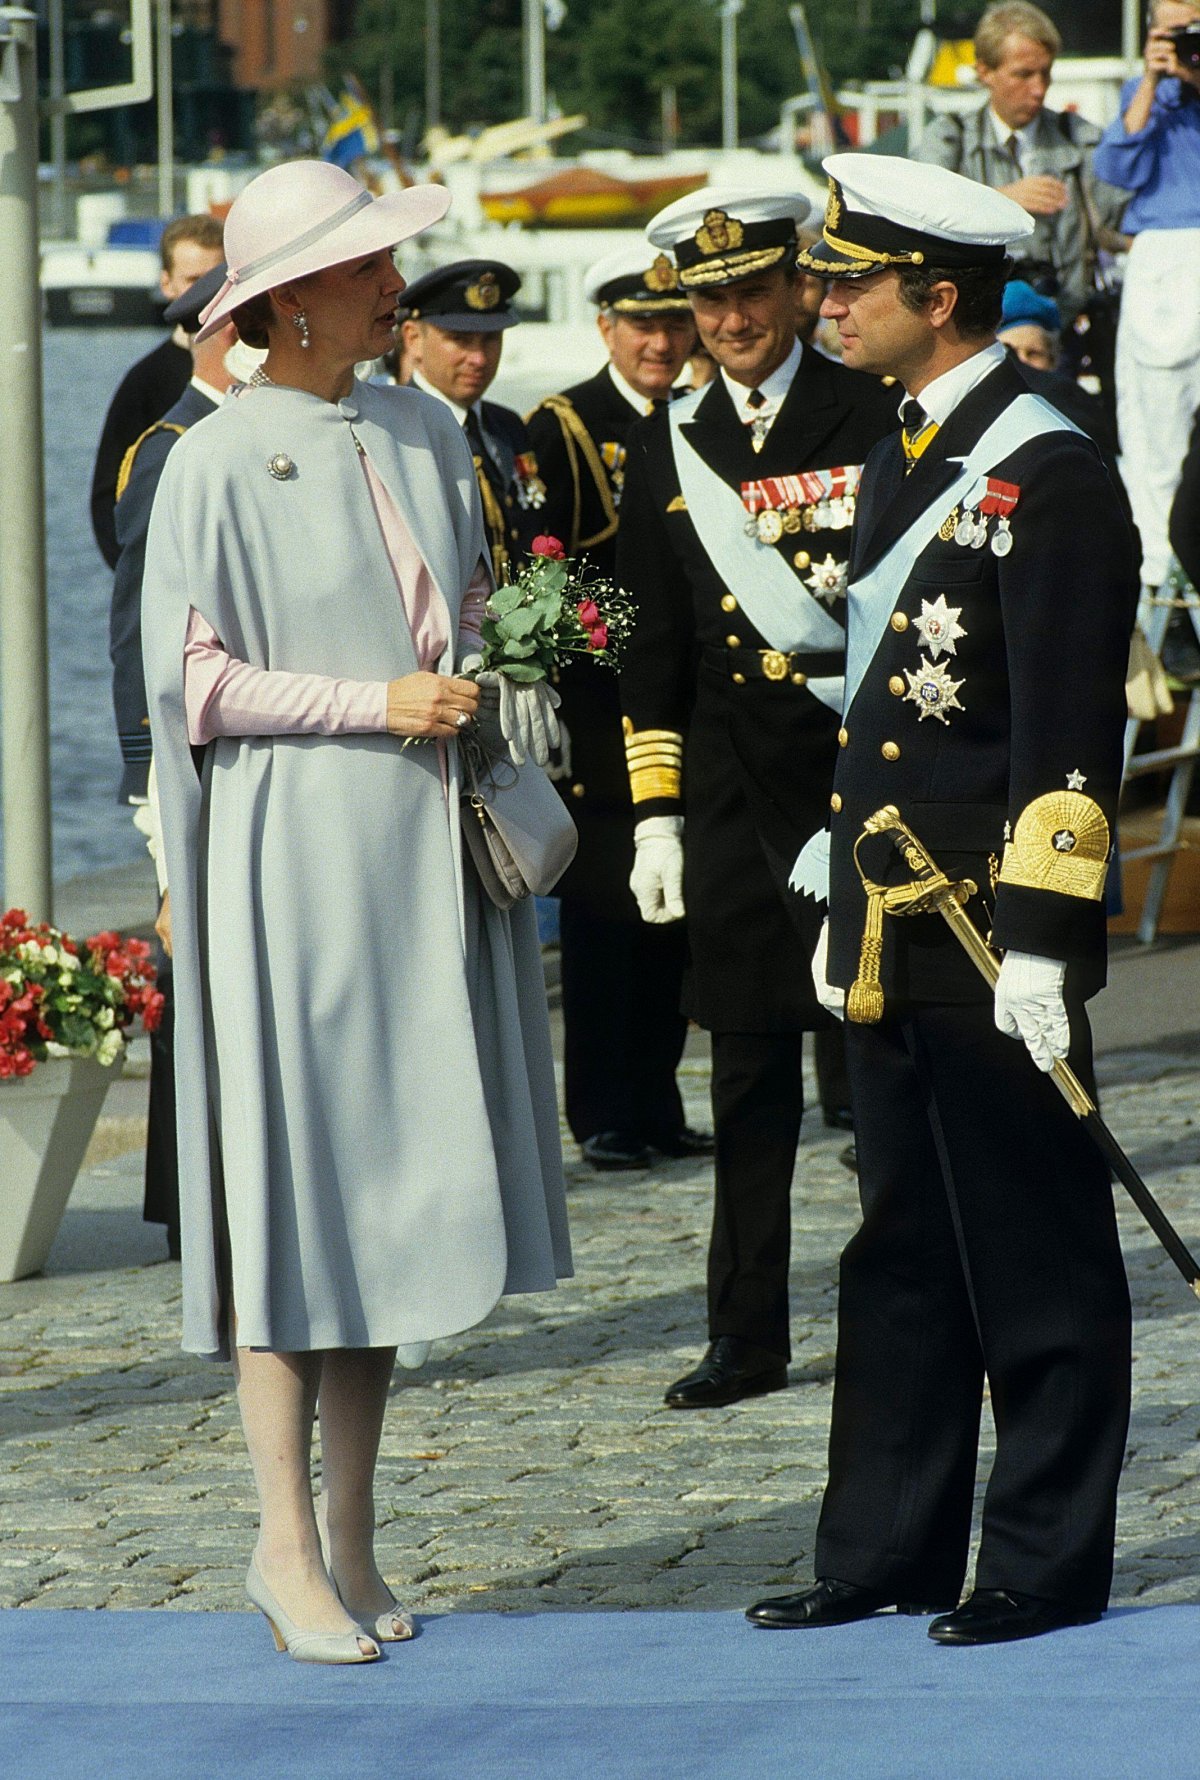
(633, 280)
(886, 211)
(721, 233)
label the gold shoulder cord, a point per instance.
(496, 523)
(579, 442)
(1061, 842)
(655, 761)
(126, 469)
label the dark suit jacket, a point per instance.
(132, 522)
(757, 757)
(1042, 669)
(1185, 511)
(506, 439)
(143, 396)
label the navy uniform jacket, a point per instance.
(757, 755)
(1042, 668)
(1185, 511)
(511, 520)
(584, 482)
(138, 484)
(143, 396)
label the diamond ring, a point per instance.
(461, 720)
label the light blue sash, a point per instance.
(776, 603)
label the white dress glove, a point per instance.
(527, 720)
(832, 999)
(1029, 1005)
(657, 876)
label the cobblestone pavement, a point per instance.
(531, 1464)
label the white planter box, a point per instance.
(46, 1124)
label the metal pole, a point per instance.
(729, 95)
(58, 119)
(1131, 30)
(535, 60)
(24, 691)
(166, 113)
(433, 64)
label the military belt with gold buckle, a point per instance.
(794, 667)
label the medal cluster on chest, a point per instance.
(969, 526)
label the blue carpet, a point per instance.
(597, 1696)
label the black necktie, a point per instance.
(756, 399)
(918, 432)
(483, 456)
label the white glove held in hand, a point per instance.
(832, 999)
(657, 876)
(1029, 1005)
(527, 720)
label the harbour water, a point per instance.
(82, 367)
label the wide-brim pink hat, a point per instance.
(302, 216)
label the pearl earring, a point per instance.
(300, 320)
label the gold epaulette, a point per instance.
(655, 761)
(1061, 842)
(126, 469)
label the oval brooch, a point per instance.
(280, 466)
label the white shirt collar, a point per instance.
(216, 396)
(774, 388)
(641, 404)
(456, 408)
(1025, 135)
(941, 397)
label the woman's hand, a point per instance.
(430, 705)
(163, 924)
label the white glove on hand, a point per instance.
(832, 999)
(1029, 1005)
(657, 876)
(527, 720)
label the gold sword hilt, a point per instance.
(932, 892)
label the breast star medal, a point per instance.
(280, 466)
(1076, 780)
(828, 580)
(938, 626)
(932, 690)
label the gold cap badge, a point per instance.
(719, 232)
(484, 293)
(661, 276)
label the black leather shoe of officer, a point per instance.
(828, 1603)
(1000, 1615)
(612, 1149)
(837, 1118)
(730, 1370)
(684, 1142)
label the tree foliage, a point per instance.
(613, 58)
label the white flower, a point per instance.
(116, 987)
(67, 961)
(110, 1048)
(54, 1049)
(103, 1018)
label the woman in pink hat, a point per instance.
(368, 1137)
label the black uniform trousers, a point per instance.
(988, 1246)
(161, 1202)
(623, 1032)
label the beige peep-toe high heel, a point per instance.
(302, 1646)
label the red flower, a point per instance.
(548, 546)
(589, 613)
(598, 637)
(152, 1011)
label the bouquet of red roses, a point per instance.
(59, 1001)
(555, 608)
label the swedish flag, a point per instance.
(351, 132)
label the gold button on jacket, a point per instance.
(890, 751)
(835, 802)
(899, 621)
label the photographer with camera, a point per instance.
(1153, 149)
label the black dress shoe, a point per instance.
(837, 1118)
(684, 1142)
(729, 1371)
(849, 1158)
(828, 1603)
(999, 1615)
(611, 1149)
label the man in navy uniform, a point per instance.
(452, 325)
(992, 593)
(137, 484)
(623, 1031)
(734, 532)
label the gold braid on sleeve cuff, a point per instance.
(1061, 843)
(655, 761)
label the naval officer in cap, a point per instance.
(735, 522)
(623, 1031)
(452, 322)
(992, 593)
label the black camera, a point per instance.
(1186, 40)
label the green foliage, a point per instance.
(613, 58)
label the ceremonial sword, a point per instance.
(932, 892)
